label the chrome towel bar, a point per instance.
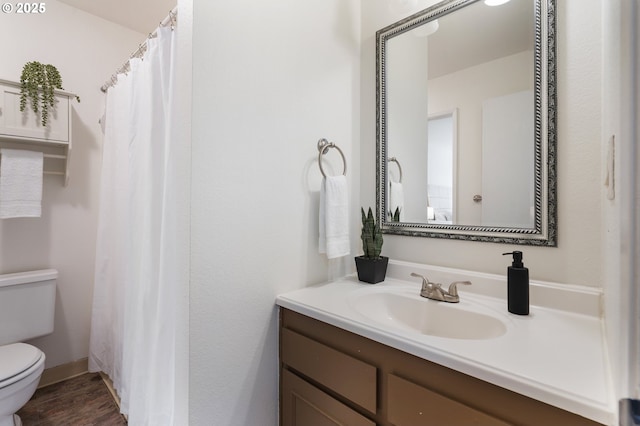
(323, 148)
(56, 157)
(395, 160)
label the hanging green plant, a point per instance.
(37, 84)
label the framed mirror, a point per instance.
(466, 123)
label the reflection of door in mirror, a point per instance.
(508, 161)
(441, 162)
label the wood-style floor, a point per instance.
(80, 401)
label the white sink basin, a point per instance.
(409, 312)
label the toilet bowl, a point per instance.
(27, 305)
(21, 366)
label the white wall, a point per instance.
(620, 215)
(614, 309)
(407, 136)
(269, 80)
(86, 50)
(577, 259)
(184, 77)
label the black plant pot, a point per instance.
(371, 271)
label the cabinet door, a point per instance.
(414, 405)
(27, 124)
(305, 405)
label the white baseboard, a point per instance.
(63, 372)
(107, 381)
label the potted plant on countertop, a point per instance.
(371, 267)
(38, 83)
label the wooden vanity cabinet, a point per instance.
(329, 376)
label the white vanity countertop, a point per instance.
(553, 356)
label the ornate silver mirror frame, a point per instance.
(544, 217)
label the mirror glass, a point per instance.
(466, 122)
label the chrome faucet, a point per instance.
(434, 291)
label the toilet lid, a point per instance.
(16, 358)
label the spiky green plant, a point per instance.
(371, 236)
(37, 84)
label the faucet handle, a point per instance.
(430, 289)
(426, 284)
(425, 281)
(453, 287)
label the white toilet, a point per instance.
(27, 305)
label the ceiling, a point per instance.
(471, 35)
(456, 43)
(477, 33)
(139, 15)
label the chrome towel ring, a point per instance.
(323, 148)
(395, 160)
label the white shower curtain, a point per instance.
(142, 243)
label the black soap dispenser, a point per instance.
(517, 285)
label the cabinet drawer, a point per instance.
(412, 405)
(345, 375)
(305, 405)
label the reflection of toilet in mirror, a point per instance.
(440, 209)
(27, 305)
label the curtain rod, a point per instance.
(171, 19)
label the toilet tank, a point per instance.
(27, 305)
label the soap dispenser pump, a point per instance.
(517, 285)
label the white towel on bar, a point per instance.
(334, 217)
(20, 183)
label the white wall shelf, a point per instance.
(24, 130)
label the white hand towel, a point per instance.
(334, 217)
(396, 198)
(20, 183)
